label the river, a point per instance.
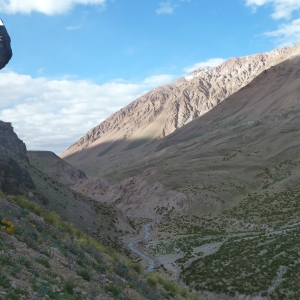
(149, 260)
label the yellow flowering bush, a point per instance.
(7, 226)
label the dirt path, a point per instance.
(149, 260)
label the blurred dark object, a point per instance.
(5, 49)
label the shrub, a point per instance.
(168, 285)
(136, 267)
(67, 227)
(80, 234)
(25, 203)
(43, 262)
(51, 218)
(113, 289)
(69, 286)
(12, 296)
(4, 260)
(7, 226)
(4, 282)
(15, 270)
(152, 280)
(85, 274)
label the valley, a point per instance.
(224, 188)
(196, 182)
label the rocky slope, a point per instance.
(231, 146)
(13, 177)
(56, 168)
(131, 196)
(42, 257)
(46, 181)
(169, 107)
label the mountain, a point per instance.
(223, 190)
(230, 146)
(167, 108)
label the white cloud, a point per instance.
(282, 8)
(158, 80)
(213, 62)
(73, 27)
(48, 7)
(287, 34)
(53, 114)
(166, 8)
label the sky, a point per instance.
(76, 62)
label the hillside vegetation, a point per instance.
(42, 257)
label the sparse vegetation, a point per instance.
(76, 258)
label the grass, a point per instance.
(24, 203)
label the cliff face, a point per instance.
(10, 141)
(167, 108)
(13, 177)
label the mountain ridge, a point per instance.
(167, 108)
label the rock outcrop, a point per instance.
(13, 177)
(10, 141)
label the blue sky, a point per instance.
(77, 61)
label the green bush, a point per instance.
(51, 218)
(67, 227)
(43, 262)
(152, 280)
(15, 270)
(25, 203)
(69, 286)
(85, 274)
(4, 282)
(168, 285)
(113, 289)
(12, 296)
(136, 267)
